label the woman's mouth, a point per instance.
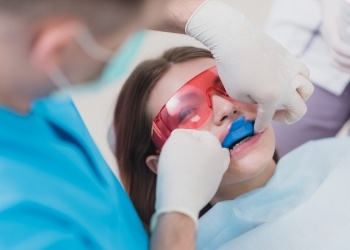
(244, 145)
(239, 130)
(238, 143)
(240, 136)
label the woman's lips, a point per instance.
(238, 130)
(245, 145)
(224, 132)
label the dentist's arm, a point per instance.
(174, 231)
(253, 67)
(190, 169)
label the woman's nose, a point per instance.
(223, 110)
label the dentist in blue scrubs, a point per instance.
(56, 190)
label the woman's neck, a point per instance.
(229, 192)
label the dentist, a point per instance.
(56, 191)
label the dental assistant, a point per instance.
(56, 191)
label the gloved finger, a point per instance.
(234, 93)
(225, 156)
(295, 108)
(303, 86)
(241, 97)
(304, 71)
(264, 116)
(181, 133)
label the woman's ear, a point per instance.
(152, 163)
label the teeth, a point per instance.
(239, 143)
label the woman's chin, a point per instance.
(245, 169)
(252, 159)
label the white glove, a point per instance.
(190, 169)
(253, 67)
(333, 25)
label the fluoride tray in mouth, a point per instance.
(239, 130)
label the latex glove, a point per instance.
(333, 25)
(253, 67)
(190, 169)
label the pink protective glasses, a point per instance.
(189, 108)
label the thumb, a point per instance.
(225, 153)
(264, 116)
(205, 137)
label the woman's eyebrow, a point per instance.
(188, 96)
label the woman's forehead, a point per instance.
(174, 79)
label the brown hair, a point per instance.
(133, 127)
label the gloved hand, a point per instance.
(253, 67)
(190, 169)
(333, 25)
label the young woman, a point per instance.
(181, 89)
(148, 88)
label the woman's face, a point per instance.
(248, 159)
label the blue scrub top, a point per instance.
(56, 190)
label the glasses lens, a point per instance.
(188, 108)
